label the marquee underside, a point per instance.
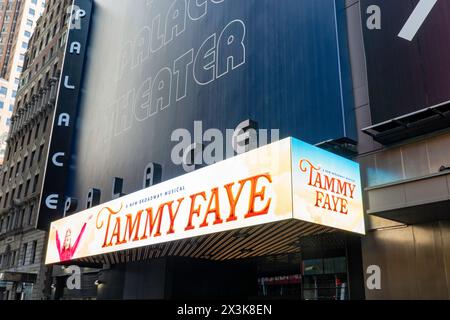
(262, 240)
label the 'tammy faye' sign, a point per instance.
(285, 180)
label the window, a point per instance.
(41, 151)
(8, 222)
(27, 34)
(24, 253)
(22, 216)
(19, 191)
(45, 125)
(30, 215)
(31, 12)
(17, 168)
(2, 104)
(25, 45)
(32, 157)
(11, 106)
(33, 252)
(24, 163)
(27, 187)
(37, 130)
(3, 91)
(8, 122)
(4, 205)
(35, 182)
(29, 22)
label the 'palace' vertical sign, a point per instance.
(58, 158)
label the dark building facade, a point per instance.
(174, 64)
(22, 245)
(402, 108)
(314, 70)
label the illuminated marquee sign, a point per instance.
(260, 186)
(52, 198)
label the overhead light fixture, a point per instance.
(98, 282)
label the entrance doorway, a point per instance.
(317, 272)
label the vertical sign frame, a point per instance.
(51, 200)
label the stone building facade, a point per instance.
(22, 245)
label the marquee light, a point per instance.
(286, 180)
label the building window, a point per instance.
(4, 206)
(24, 253)
(27, 187)
(31, 12)
(27, 34)
(35, 182)
(19, 191)
(29, 137)
(37, 130)
(25, 45)
(3, 91)
(45, 125)
(41, 151)
(8, 222)
(33, 252)
(22, 216)
(8, 122)
(17, 168)
(29, 22)
(24, 163)
(32, 157)
(30, 215)
(2, 104)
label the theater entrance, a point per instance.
(319, 271)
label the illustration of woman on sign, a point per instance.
(68, 250)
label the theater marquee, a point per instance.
(286, 180)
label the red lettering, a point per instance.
(257, 194)
(216, 209)
(233, 200)
(194, 210)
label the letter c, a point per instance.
(55, 159)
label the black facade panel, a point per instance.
(293, 75)
(406, 76)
